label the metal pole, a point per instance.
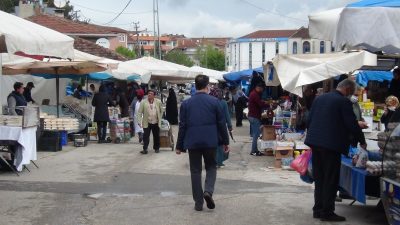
(87, 85)
(58, 92)
(154, 26)
(158, 32)
(1, 83)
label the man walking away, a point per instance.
(149, 117)
(202, 128)
(331, 124)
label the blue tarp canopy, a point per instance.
(366, 75)
(99, 76)
(242, 75)
(375, 3)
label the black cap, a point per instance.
(30, 84)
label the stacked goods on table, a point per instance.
(29, 118)
(65, 123)
(78, 107)
(114, 112)
(11, 121)
(119, 131)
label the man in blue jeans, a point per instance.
(256, 106)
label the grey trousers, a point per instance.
(195, 159)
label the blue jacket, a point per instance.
(202, 123)
(332, 123)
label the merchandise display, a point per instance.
(65, 123)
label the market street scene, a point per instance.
(199, 112)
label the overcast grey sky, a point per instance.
(209, 18)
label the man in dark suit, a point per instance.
(331, 124)
(202, 128)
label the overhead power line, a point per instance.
(111, 12)
(271, 12)
(119, 14)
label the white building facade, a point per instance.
(252, 50)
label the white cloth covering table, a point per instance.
(26, 138)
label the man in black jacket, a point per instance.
(331, 124)
(202, 128)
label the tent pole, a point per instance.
(1, 83)
(58, 92)
(87, 86)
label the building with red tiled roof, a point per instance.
(111, 37)
(252, 50)
(94, 49)
(147, 43)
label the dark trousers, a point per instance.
(155, 129)
(195, 158)
(326, 172)
(102, 130)
(239, 116)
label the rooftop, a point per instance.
(270, 34)
(66, 26)
(301, 33)
(94, 49)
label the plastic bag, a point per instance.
(300, 164)
(360, 159)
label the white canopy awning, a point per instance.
(20, 35)
(159, 69)
(213, 74)
(295, 71)
(373, 28)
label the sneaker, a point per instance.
(209, 200)
(333, 218)
(259, 153)
(144, 152)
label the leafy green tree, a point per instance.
(211, 58)
(8, 5)
(130, 54)
(178, 57)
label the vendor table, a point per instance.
(358, 182)
(26, 139)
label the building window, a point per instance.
(322, 47)
(332, 49)
(294, 50)
(263, 52)
(121, 38)
(306, 47)
(276, 47)
(250, 55)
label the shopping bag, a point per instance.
(300, 164)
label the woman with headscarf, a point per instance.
(134, 110)
(221, 156)
(101, 101)
(172, 108)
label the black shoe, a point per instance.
(338, 199)
(157, 150)
(317, 215)
(198, 207)
(333, 218)
(257, 153)
(345, 196)
(209, 200)
(144, 152)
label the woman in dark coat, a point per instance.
(172, 108)
(101, 101)
(123, 103)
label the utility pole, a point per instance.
(136, 26)
(156, 20)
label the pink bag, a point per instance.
(300, 164)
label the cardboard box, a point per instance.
(281, 153)
(268, 133)
(278, 163)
